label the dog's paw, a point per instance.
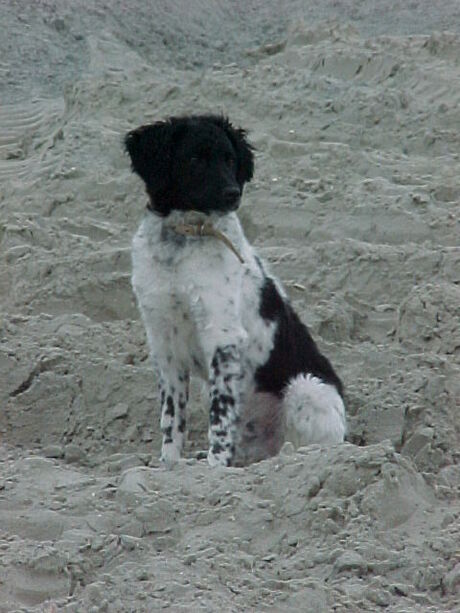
(220, 459)
(170, 455)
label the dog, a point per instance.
(212, 309)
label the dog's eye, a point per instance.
(230, 161)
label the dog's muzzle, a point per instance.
(231, 198)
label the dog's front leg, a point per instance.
(174, 389)
(224, 381)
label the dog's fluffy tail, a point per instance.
(314, 412)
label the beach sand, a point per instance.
(354, 110)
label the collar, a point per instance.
(205, 228)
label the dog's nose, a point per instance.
(231, 196)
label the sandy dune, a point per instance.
(354, 109)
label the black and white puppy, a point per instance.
(212, 309)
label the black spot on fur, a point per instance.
(169, 407)
(259, 264)
(217, 448)
(294, 352)
(218, 411)
(227, 400)
(215, 370)
(226, 354)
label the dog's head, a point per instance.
(198, 163)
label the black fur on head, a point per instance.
(196, 162)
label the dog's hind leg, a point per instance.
(314, 412)
(261, 428)
(174, 391)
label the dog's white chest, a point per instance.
(189, 292)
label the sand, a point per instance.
(354, 108)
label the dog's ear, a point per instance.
(244, 150)
(150, 149)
